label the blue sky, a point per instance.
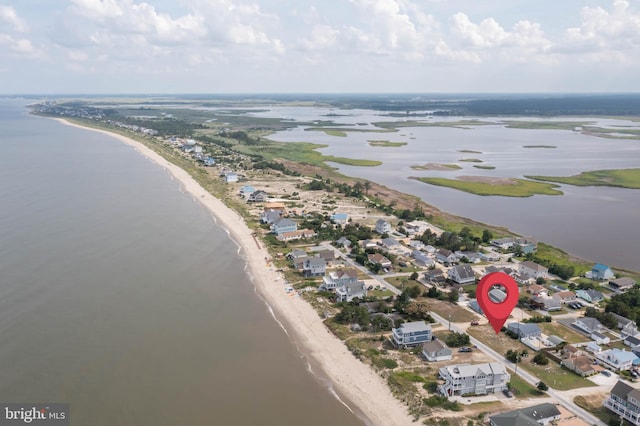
(229, 46)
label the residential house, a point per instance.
(436, 350)
(378, 259)
(593, 347)
(314, 267)
(298, 262)
(275, 205)
(526, 245)
(622, 284)
(587, 325)
(625, 325)
(230, 177)
(600, 338)
(335, 279)
(528, 330)
(327, 254)
(296, 254)
(421, 259)
(590, 295)
(537, 290)
(382, 226)
(416, 227)
(624, 401)
(581, 365)
(497, 296)
(247, 190)
(618, 359)
(430, 249)
(632, 341)
(462, 274)
(531, 269)
(369, 244)
(343, 242)
(389, 243)
(416, 244)
(601, 272)
(554, 340)
(548, 304)
(446, 257)
(282, 225)
(435, 276)
(209, 161)
(470, 256)
(411, 334)
(296, 235)
(503, 243)
(270, 216)
(258, 196)
(541, 414)
(565, 296)
(340, 218)
(474, 379)
(351, 290)
(475, 306)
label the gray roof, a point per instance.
(598, 335)
(434, 346)
(594, 294)
(316, 261)
(632, 340)
(622, 390)
(592, 323)
(351, 287)
(283, 221)
(555, 339)
(525, 328)
(413, 327)
(497, 295)
(470, 370)
(389, 242)
(529, 416)
(464, 271)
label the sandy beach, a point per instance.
(365, 392)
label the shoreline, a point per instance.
(349, 377)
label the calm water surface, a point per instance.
(596, 223)
(120, 295)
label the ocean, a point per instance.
(120, 295)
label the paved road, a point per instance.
(568, 403)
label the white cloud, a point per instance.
(9, 16)
(321, 37)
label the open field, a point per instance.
(571, 336)
(444, 309)
(385, 143)
(623, 178)
(501, 187)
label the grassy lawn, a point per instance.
(386, 143)
(444, 309)
(571, 336)
(520, 188)
(561, 257)
(624, 178)
(522, 389)
(380, 294)
(404, 282)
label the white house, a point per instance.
(618, 360)
(462, 274)
(533, 270)
(473, 379)
(335, 279)
(588, 325)
(383, 227)
(601, 272)
(351, 290)
(411, 334)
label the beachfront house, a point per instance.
(601, 272)
(351, 290)
(314, 267)
(541, 414)
(335, 279)
(503, 243)
(473, 379)
(282, 225)
(411, 334)
(270, 216)
(436, 350)
(624, 401)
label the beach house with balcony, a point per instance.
(335, 279)
(473, 379)
(624, 401)
(282, 225)
(537, 415)
(382, 226)
(411, 334)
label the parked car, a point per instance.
(507, 393)
(475, 323)
(606, 373)
(465, 349)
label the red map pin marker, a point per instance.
(497, 312)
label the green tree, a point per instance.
(414, 276)
(541, 358)
(541, 386)
(487, 236)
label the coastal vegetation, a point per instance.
(539, 146)
(495, 187)
(477, 166)
(334, 132)
(471, 160)
(623, 178)
(386, 143)
(470, 151)
(436, 166)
